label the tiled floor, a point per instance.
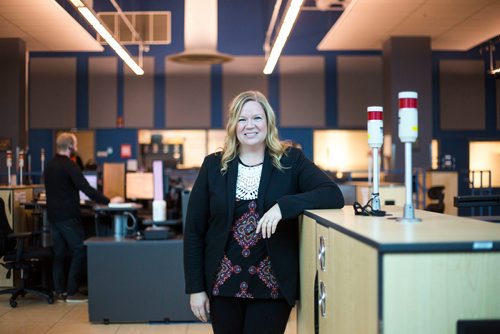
(35, 316)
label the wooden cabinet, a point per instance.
(325, 270)
(448, 179)
(307, 260)
(382, 276)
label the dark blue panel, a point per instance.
(113, 138)
(309, 30)
(331, 116)
(82, 92)
(274, 92)
(243, 25)
(490, 101)
(39, 139)
(302, 136)
(436, 120)
(159, 95)
(216, 111)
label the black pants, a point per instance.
(67, 238)
(248, 316)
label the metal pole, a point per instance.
(376, 178)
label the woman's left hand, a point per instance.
(269, 221)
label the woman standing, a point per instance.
(241, 235)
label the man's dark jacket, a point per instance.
(63, 180)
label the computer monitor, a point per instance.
(91, 178)
(139, 186)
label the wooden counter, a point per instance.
(381, 276)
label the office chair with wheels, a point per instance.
(436, 193)
(18, 256)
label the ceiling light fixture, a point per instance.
(285, 28)
(96, 23)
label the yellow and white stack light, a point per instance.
(375, 140)
(408, 134)
(91, 18)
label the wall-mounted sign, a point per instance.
(126, 151)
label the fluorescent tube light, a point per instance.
(89, 15)
(283, 33)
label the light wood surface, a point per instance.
(353, 286)
(434, 227)
(428, 293)
(307, 245)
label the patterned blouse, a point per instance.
(245, 270)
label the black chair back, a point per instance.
(436, 193)
(6, 244)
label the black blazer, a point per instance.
(299, 186)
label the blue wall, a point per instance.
(242, 29)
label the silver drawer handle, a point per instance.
(321, 254)
(322, 299)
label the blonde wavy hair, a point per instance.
(231, 143)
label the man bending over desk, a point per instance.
(63, 181)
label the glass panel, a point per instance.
(434, 154)
(187, 146)
(341, 150)
(485, 155)
(216, 140)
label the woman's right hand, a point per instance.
(200, 305)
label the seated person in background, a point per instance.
(63, 180)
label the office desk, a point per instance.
(120, 214)
(136, 281)
(40, 208)
(376, 275)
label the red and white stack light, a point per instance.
(408, 134)
(408, 117)
(21, 166)
(375, 126)
(375, 140)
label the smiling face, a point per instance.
(251, 129)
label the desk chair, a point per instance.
(18, 256)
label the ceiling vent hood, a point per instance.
(200, 34)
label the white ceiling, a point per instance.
(457, 25)
(44, 25)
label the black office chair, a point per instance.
(17, 255)
(436, 193)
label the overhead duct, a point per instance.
(200, 34)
